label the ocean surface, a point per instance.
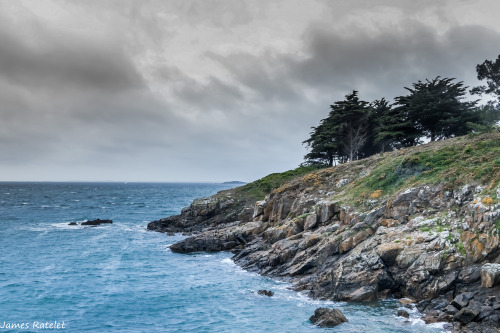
(123, 278)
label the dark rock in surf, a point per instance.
(324, 317)
(403, 313)
(265, 292)
(97, 222)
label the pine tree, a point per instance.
(489, 70)
(343, 135)
(435, 109)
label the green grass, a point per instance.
(453, 162)
(260, 188)
(441, 228)
(461, 248)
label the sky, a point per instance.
(209, 90)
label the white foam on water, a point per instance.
(419, 322)
(65, 225)
(439, 325)
(227, 262)
(48, 268)
(37, 229)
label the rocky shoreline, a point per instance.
(438, 246)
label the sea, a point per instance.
(122, 278)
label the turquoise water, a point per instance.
(122, 278)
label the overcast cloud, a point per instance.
(209, 90)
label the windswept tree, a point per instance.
(395, 129)
(323, 145)
(436, 109)
(489, 71)
(343, 135)
(351, 118)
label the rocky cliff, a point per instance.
(421, 223)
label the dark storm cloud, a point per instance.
(214, 94)
(379, 63)
(386, 60)
(263, 74)
(51, 60)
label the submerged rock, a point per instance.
(72, 223)
(324, 317)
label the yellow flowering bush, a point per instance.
(376, 194)
(487, 201)
(314, 177)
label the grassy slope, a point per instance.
(258, 189)
(453, 162)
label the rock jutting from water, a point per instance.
(94, 222)
(324, 317)
(265, 292)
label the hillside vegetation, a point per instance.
(453, 162)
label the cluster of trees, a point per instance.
(433, 109)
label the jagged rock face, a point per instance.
(425, 243)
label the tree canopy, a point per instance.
(435, 109)
(432, 110)
(490, 71)
(343, 135)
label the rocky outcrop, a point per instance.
(435, 244)
(206, 214)
(324, 317)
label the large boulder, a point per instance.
(311, 221)
(462, 300)
(388, 252)
(465, 316)
(490, 275)
(324, 317)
